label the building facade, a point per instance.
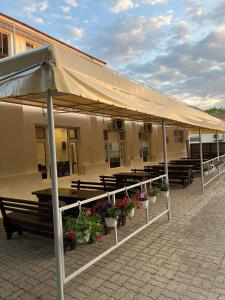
(87, 145)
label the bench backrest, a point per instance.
(78, 184)
(25, 206)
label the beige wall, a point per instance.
(18, 157)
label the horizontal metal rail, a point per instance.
(117, 243)
(210, 163)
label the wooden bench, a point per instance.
(28, 216)
(88, 185)
(24, 215)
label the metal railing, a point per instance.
(112, 196)
(213, 168)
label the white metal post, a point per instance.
(201, 160)
(218, 152)
(55, 196)
(115, 228)
(146, 211)
(166, 166)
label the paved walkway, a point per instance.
(183, 259)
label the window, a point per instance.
(114, 148)
(178, 136)
(29, 46)
(41, 150)
(4, 48)
(144, 139)
(66, 151)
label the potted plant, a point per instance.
(205, 171)
(70, 234)
(111, 216)
(129, 209)
(144, 199)
(165, 190)
(95, 228)
(153, 193)
(83, 229)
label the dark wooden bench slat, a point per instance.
(8, 205)
(28, 202)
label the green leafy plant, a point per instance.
(96, 227)
(205, 168)
(164, 187)
(153, 192)
(128, 208)
(112, 212)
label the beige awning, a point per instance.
(80, 85)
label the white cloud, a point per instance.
(72, 3)
(154, 23)
(154, 2)
(38, 20)
(75, 32)
(122, 5)
(65, 9)
(195, 10)
(43, 5)
(31, 8)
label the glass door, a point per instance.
(73, 157)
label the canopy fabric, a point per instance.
(80, 85)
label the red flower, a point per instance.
(71, 234)
(100, 237)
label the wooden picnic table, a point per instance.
(139, 176)
(68, 196)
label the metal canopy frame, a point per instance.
(57, 212)
(71, 103)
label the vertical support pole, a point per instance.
(166, 166)
(201, 160)
(146, 211)
(115, 228)
(218, 152)
(55, 196)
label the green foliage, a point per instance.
(128, 208)
(112, 212)
(84, 225)
(154, 192)
(165, 187)
(214, 111)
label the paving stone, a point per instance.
(180, 260)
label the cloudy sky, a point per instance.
(176, 46)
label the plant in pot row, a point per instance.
(206, 170)
(83, 229)
(153, 193)
(165, 190)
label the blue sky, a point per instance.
(175, 46)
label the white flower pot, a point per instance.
(145, 203)
(111, 222)
(153, 199)
(131, 213)
(85, 239)
(205, 173)
(165, 194)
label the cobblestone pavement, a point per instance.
(183, 259)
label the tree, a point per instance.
(214, 111)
